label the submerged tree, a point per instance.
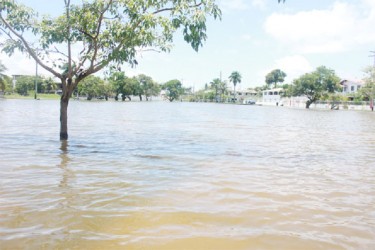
(314, 85)
(91, 87)
(173, 90)
(104, 32)
(122, 85)
(147, 86)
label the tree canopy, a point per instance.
(235, 77)
(107, 31)
(147, 86)
(173, 89)
(315, 84)
(91, 86)
(4, 79)
(368, 90)
(275, 76)
(215, 85)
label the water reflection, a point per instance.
(64, 165)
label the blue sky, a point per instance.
(255, 37)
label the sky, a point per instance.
(254, 37)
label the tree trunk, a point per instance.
(308, 103)
(64, 118)
(140, 97)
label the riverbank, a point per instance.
(32, 96)
(289, 103)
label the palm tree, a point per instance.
(223, 89)
(235, 78)
(275, 76)
(215, 84)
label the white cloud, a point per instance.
(336, 29)
(294, 66)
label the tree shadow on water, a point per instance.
(67, 174)
(66, 218)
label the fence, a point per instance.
(349, 105)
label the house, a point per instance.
(350, 86)
(272, 96)
(241, 95)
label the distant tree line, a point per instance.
(117, 85)
(321, 84)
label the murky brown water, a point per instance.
(185, 176)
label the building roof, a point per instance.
(274, 89)
(351, 82)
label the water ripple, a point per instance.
(185, 176)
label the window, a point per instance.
(358, 87)
(352, 88)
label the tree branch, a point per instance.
(70, 69)
(171, 9)
(30, 50)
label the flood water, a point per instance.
(158, 175)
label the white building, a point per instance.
(350, 86)
(272, 96)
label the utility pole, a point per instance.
(36, 79)
(372, 72)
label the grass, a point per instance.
(31, 96)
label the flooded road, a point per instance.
(157, 175)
